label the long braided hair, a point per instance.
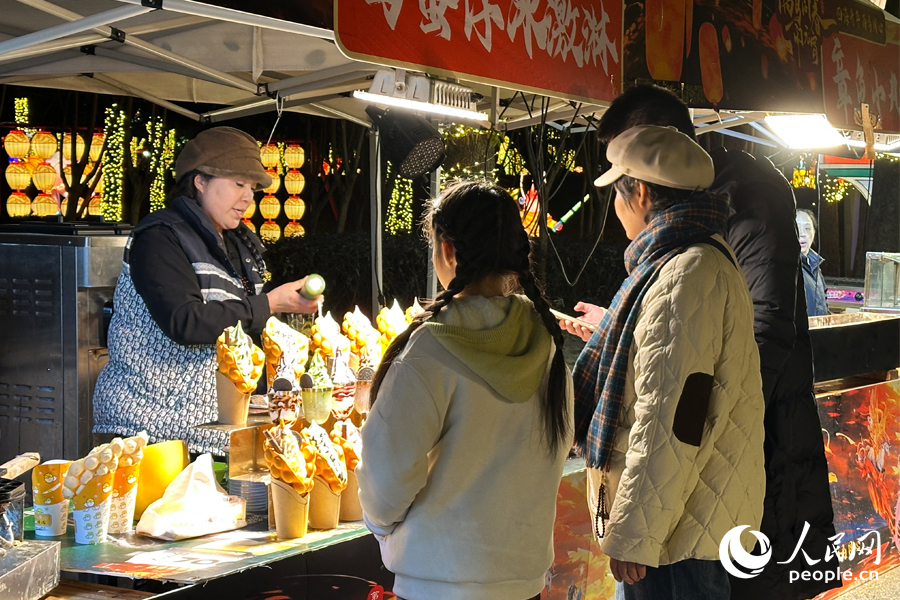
(482, 222)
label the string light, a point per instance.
(834, 189)
(162, 144)
(113, 164)
(467, 146)
(400, 207)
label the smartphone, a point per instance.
(571, 319)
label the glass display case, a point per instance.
(882, 293)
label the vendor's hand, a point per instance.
(286, 298)
(591, 313)
(629, 572)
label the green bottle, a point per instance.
(314, 286)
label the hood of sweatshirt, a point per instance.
(501, 339)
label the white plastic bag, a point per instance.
(193, 505)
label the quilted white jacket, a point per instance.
(682, 473)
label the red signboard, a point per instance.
(565, 48)
(855, 71)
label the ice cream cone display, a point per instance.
(391, 322)
(324, 506)
(125, 484)
(413, 311)
(346, 435)
(239, 358)
(161, 464)
(279, 339)
(331, 466)
(233, 405)
(327, 337)
(284, 396)
(344, 387)
(51, 508)
(291, 511)
(292, 462)
(358, 329)
(89, 484)
(316, 391)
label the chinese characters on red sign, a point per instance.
(856, 71)
(567, 48)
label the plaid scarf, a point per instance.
(600, 370)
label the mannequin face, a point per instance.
(806, 231)
(633, 214)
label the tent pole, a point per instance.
(72, 28)
(148, 97)
(434, 190)
(375, 218)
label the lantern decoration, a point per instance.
(99, 189)
(251, 210)
(270, 207)
(96, 146)
(276, 182)
(16, 143)
(44, 177)
(294, 182)
(294, 229)
(67, 173)
(270, 231)
(294, 208)
(269, 155)
(18, 205)
(249, 225)
(95, 207)
(31, 163)
(294, 156)
(43, 145)
(17, 176)
(67, 147)
(44, 205)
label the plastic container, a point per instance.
(12, 509)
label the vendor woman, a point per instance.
(189, 271)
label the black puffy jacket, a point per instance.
(762, 232)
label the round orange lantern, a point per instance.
(94, 207)
(294, 182)
(67, 147)
(269, 155)
(276, 182)
(294, 156)
(251, 210)
(44, 177)
(16, 143)
(270, 231)
(96, 146)
(44, 205)
(43, 144)
(18, 205)
(294, 229)
(249, 225)
(99, 188)
(294, 208)
(270, 207)
(17, 176)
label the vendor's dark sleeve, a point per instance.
(163, 276)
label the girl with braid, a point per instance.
(472, 417)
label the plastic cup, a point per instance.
(351, 509)
(124, 499)
(324, 506)
(317, 404)
(361, 399)
(91, 510)
(291, 511)
(233, 405)
(51, 510)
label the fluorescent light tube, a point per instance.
(805, 131)
(421, 106)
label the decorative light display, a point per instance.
(17, 176)
(161, 158)
(269, 154)
(113, 164)
(96, 146)
(44, 177)
(21, 110)
(95, 207)
(18, 205)
(270, 207)
(400, 206)
(294, 182)
(276, 181)
(834, 189)
(294, 229)
(251, 210)
(513, 163)
(294, 156)
(44, 205)
(294, 208)
(67, 146)
(249, 225)
(804, 176)
(16, 144)
(43, 144)
(270, 232)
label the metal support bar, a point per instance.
(339, 113)
(765, 131)
(146, 96)
(431, 280)
(217, 116)
(53, 46)
(375, 220)
(495, 108)
(322, 83)
(299, 80)
(527, 122)
(726, 123)
(226, 14)
(748, 138)
(76, 26)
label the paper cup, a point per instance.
(351, 510)
(51, 510)
(291, 511)
(317, 404)
(91, 510)
(123, 499)
(233, 405)
(324, 506)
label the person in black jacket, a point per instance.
(814, 283)
(762, 232)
